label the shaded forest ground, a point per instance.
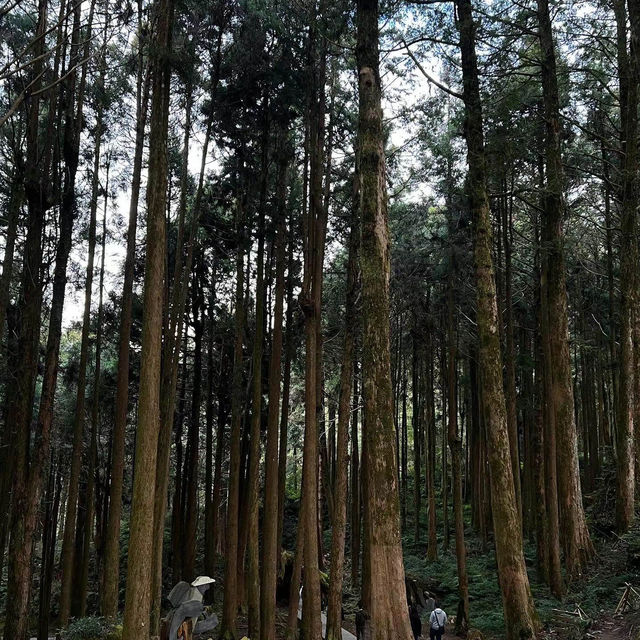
(597, 592)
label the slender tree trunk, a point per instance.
(415, 423)
(212, 471)
(385, 593)
(48, 549)
(430, 453)
(95, 406)
(549, 439)
(455, 444)
(28, 477)
(578, 548)
(271, 483)
(68, 555)
(253, 476)
(286, 389)
(627, 77)
(110, 586)
(230, 604)
(510, 354)
(174, 321)
(315, 225)
(177, 503)
(191, 503)
(339, 520)
(445, 463)
(521, 620)
(223, 415)
(355, 478)
(291, 631)
(13, 213)
(138, 595)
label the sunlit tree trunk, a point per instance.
(138, 594)
(385, 594)
(521, 620)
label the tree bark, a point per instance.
(271, 482)
(355, 478)
(68, 557)
(90, 514)
(138, 593)
(385, 595)
(455, 443)
(110, 586)
(521, 620)
(253, 476)
(230, 603)
(339, 520)
(286, 388)
(192, 460)
(315, 225)
(578, 548)
(625, 455)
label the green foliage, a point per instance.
(92, 628)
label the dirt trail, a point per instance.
(612, 630)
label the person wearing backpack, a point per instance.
(437, 622)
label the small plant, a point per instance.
(92, 628)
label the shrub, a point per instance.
(92, 628)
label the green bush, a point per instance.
(92, 628)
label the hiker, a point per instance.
(437, 621)
(361, 621)
(416, 623)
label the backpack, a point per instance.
(437, 622)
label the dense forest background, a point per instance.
(322, 293)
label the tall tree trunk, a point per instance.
(213, 473)
(315, 225)
(415, 423)
(48, 549)
(110, 586)
(339, 520)
(510, 351)
(191, 503)
(174, 324)
(286, 388)
(271, 482)
(355, 478)
(13, 213)
(521, 620)
(385, 594)
(430, 453)
(28, 477)
(445, 463)
(95, 411)
(230, 603)
(253, 477)
(455, 442)
(574, 533)
(550, 443)
(68, 554)
(627, 78)
(138, 593)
